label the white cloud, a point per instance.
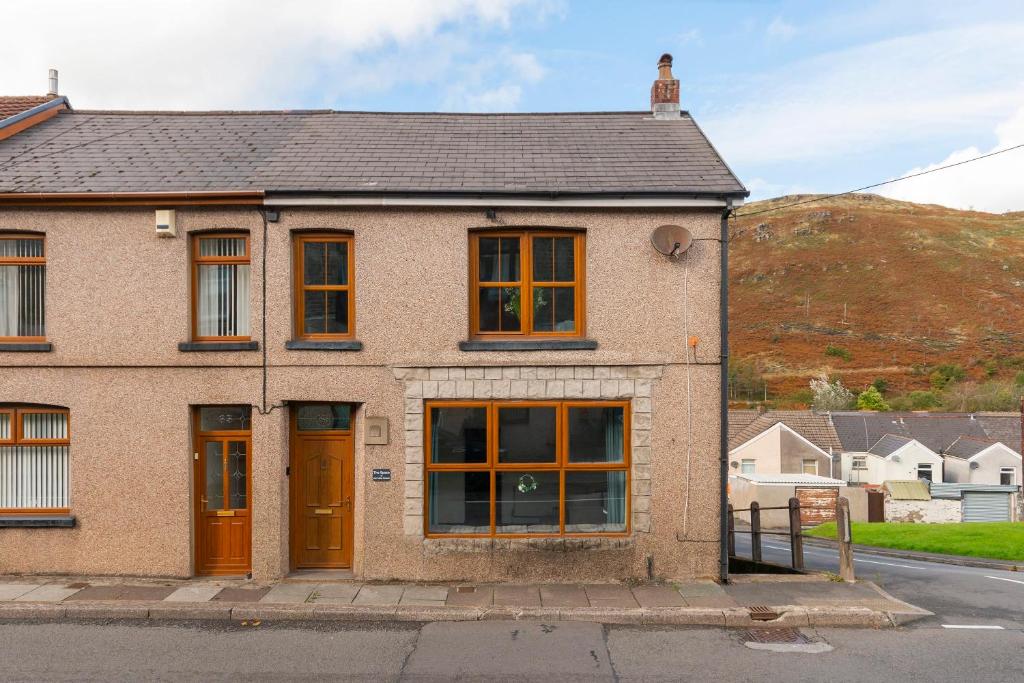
(761, 188)
(864, 99)
(781, 30)
(233, 53)
(691, 37)
(502, 98)
(992, 184)
(492, 83)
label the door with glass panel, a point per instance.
(321, 486)
(223, 481)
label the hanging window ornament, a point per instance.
(527, 484)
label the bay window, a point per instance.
(496, 468)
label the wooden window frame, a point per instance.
(299, 287)
(198, 260)
(560, 465)
(25, 261)
(527, 284)
(16, 439)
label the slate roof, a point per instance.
(889, 444)
(814, 427)
(12, 105)
(966, 447)
(738, 421)
(858, 431)
(365, 152)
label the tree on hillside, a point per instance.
(871, 399)
(830, 394)
(944, 375)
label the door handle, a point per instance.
(347, 503)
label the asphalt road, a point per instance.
(957, 595)
(493, 650)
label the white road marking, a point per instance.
(987, 627)
(888, 564)
(999, 578)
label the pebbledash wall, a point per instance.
(117, 307)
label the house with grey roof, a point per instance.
(970, 460)
(782, 442)
(411, 346)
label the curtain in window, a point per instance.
(22, 290)
(613, 445)
(224, 300)
(33, 477)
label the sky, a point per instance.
(798, 96)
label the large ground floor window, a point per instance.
(545, 468)
(34, 459)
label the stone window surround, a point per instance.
(597, 382)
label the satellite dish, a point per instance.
(975, 465)
(671, 240)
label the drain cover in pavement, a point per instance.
(762, 613)
(789, 636)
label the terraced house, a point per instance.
(414, 346)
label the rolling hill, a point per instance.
(866, 287)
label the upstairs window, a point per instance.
(1007, 476)
(220, 287)
(860, 462)
(34, 459)
(22, 288)
(527, 283)
(748, 466)
(924, 471)
(324, 296)
(810, 466)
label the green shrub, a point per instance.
(1019, 379)
(838, 352)
(944, 375)
(923, 400)
(991, 368)
(881, 384)
(871, 399)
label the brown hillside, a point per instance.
(921, 285)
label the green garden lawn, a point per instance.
(996, 540)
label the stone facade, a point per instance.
(634, 382)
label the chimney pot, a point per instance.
(52, 92)
(665, 91)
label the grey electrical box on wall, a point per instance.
(165, 223)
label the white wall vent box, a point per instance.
(165, 223)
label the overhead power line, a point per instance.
(885, 182)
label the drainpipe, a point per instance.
(723, 464)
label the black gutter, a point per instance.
(723, 464)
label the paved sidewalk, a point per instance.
(794, 600)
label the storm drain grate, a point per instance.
(789, 636)
(762, 613)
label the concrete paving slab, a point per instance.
(335, 592)
(241, 594)
(123, 592)
(10, 591)
(197, 593)
(658, 596)
(424, 595)
(50, 592)
(378, 595)
(288, 593)
(609, 595)
(561, 595)
(470, 596)
(516, 596)
(699, 589)
(713, 602)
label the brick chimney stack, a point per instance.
(665, 91)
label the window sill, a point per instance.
(528, 345)
(219, 346)
(25, 347)
(36, 521)
(311, 345)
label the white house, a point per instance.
(892, 457)
(978, 461)
(784, 442)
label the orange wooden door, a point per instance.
(224, 520)
(322, 489)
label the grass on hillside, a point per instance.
(996, 540)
